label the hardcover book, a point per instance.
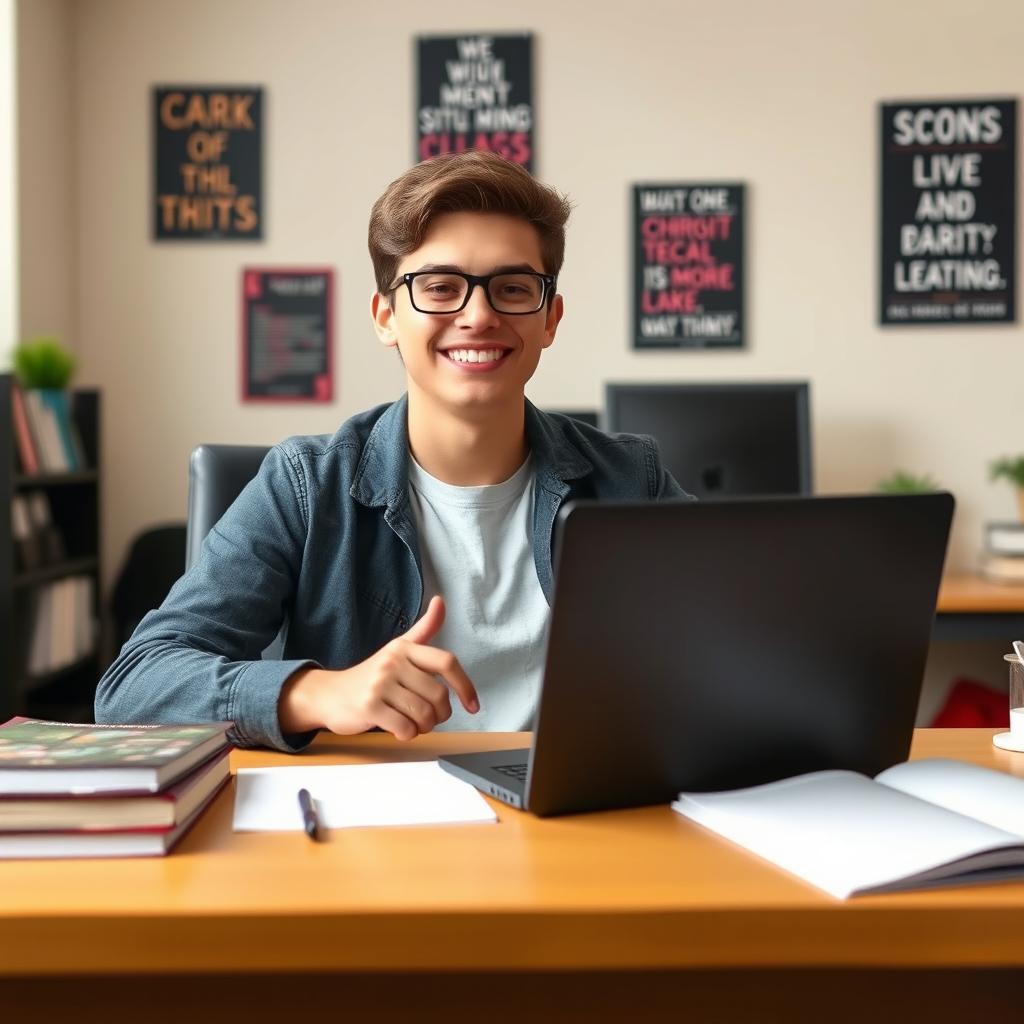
(153, 842)
(115, 812)
(71, 758)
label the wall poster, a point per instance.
(949, 212)
(688, 266)
(207, 162)
(476, 92)
(287, 335)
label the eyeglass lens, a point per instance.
(509, 293)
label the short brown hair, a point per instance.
(474, 182)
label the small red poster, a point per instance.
(287, 335)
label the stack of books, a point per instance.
(73, 790)
(1003, 558)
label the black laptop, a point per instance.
(713, 645)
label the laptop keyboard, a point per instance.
(515, 771)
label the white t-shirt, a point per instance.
(476, 550)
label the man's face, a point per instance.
(434, 347)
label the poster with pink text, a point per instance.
(688, 266)
(475, 92)
(287, 334)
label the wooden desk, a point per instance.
(972, 608)
(615, 912)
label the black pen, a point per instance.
(310, 820)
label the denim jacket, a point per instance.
(323, 540)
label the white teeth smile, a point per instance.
(474, 355)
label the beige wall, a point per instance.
(9, 264)
(782, 96)
(46, 170)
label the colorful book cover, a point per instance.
(33, 743)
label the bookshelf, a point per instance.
(66, 692)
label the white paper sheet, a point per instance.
(347, 796)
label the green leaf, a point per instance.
(902, 482)
(1009, 468)
(43, 363)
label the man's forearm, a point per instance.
(167, 680)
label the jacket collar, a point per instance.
(555, 458)
(382, 476)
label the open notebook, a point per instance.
(920, 823)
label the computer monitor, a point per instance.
(722, 440)
(588, 416)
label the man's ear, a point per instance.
(551, 320)
(383, 320)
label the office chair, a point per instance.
(216, 475)
(151, 568)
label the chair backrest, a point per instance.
(151, 567)
(216, 475)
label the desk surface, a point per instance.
(966, 592)
(636, 888)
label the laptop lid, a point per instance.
(712, 645)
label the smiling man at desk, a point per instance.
(410, 552)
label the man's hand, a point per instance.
(394, 689)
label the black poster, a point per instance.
(476, 92)
(949, 212)
(287, 335)
(688, 281)
(208, 162)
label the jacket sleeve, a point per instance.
(197, 657)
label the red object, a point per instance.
(26, 446)
(971, 705)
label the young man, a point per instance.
(410, 553)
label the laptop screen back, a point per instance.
(715, 645)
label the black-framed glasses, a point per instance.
(448, 291)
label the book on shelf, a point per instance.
(28, 458)
(28, 553)
(45, 432)
(47, 543)
(63, 626)
(116, 812)
(57, 405)
(38, 756)
(918, 824)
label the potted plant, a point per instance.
(1011, 468)
(43, 364)
(902, 482)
